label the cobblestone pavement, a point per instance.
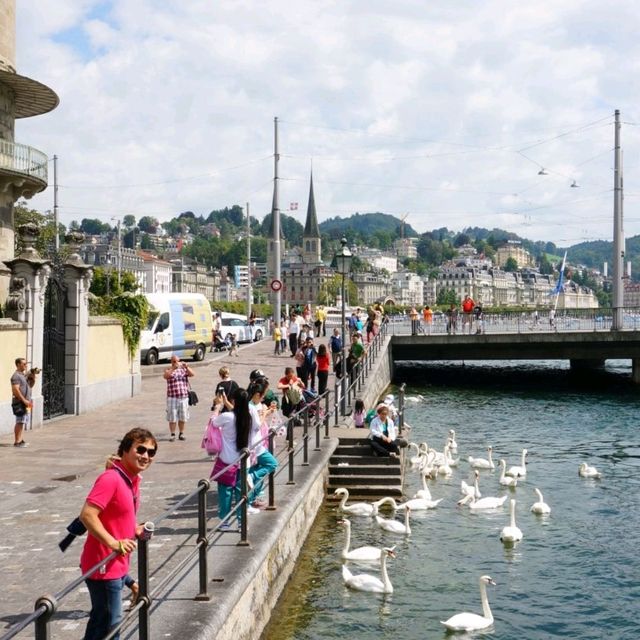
(43, 486)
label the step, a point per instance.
(354, 441)
(348, 481)
(358, 493)
(364, 469)
(365, 460)
(353, 450)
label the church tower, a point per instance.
(311, 247)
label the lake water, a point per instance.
(576, 572)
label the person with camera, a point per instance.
(109, 515)
(177, 377)
(225, 390)
(21, 403)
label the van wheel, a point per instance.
(152, 357)
(257, 336)
(199, 353)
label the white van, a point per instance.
(179, 324)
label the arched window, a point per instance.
(308, 246)
(313, 246)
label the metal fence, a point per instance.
(20, 158)
(315, 418)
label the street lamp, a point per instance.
(343, 265)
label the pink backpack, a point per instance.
(212, 439)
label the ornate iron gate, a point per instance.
(53, 365)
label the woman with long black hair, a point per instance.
(236, 427)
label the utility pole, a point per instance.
(119, 254)
(55, 202)
(276, 226)
(249, 293)
(618, 233)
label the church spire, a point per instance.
(311, 229)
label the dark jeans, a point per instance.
(293, 343)
(106, 607)
(383, 448)
(323, 376)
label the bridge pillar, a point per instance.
(635, 370)
(586, 364)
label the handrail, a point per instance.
(314, 417)
(22, 159)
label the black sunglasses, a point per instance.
(141, 450)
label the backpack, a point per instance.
(371, 414)
(212, 439)
(294, 395)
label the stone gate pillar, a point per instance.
(77, 280)
(25, 303)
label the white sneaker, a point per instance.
(252, 510)
(249, 481)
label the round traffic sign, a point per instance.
(276, 285)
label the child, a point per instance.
(277, 337)
(323, 363)
(233, 349)
(359, 414)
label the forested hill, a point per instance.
(363, 226)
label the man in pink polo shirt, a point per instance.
(109, 514)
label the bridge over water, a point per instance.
(584, 349)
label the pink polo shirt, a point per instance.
(115, 497)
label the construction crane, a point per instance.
(406, 215)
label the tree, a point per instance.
(148, 224)
(461, 240)
(145, 242)
(129, 221)
(511, 265)
(447, 296)
(545, 266)
(93, 226)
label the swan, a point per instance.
(481, 463)
(453, 445)
(360, 554)
(585, 471)
(541, 506)
(511, 533)
(366, 582)
(357, 508)
(506, 481)
(415, 504)
(417, 459)
(519, 471)
(444, 469)
(471, 490)
(472, 621)
(393, 526)
(423, 493)
(486, 503)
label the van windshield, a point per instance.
(151, 319)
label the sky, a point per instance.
(453, 114)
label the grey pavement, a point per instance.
(43, 486)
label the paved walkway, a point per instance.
(43, 487)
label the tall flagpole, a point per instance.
(249, 292)
(618, 233)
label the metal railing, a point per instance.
(19, 158)
(310, 422)
(563, 321)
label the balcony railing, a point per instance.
(23, 160)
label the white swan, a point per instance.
(505, 480)
(357, 508)
(444, 469)
(415, 504)
(472, 621)
(481, 463)
(540, 507)
(511, 533)
(366, 582)
(393, 526)
(486, 503)
(521, 470)
(360, 554)
(423, 493)
(415, 461)
(586, 471)
(453, 445)
(471, 490)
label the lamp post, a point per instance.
(343, 264)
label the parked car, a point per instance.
(234, 324)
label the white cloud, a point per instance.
(403, 107)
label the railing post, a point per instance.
(305, 438)
(243, 494)
(401, 407)
(327, 416)
(318, 423)
(271, 481)
(144, 621)
(336, 402)
(290, 446)
(43, 631)
(203, 569)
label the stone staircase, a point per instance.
(366, 477)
